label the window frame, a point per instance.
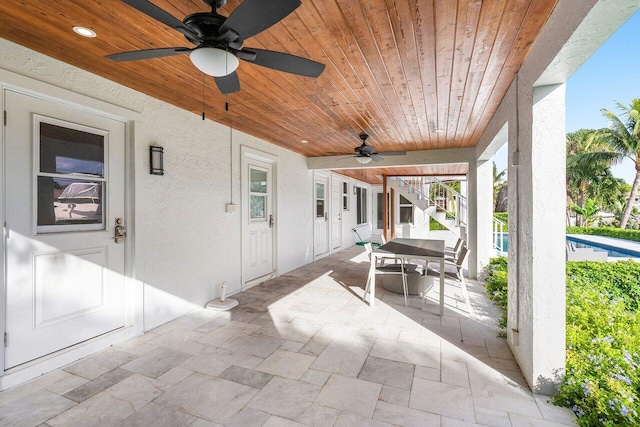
(37, 173)
(405, 205)
(345, 196)
(362, 216)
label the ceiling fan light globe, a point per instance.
(363, 160)
(214, 62)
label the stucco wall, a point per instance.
(186, 244)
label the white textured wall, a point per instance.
(186, 243)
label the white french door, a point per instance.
(321, 212)
(258, 218)
(336, 213)
(65, 280)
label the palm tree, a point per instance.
(498, 183)
(622, 138)
(587, 212)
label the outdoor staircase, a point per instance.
(436, 199)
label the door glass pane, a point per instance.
(70, 151)
(319, 208)
(319, 190)
(257, 208)
(69, 201)
(258, 180)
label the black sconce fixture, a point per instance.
(155, 160)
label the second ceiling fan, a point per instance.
(218, 40)
(365, 152)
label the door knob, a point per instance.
(119, 232)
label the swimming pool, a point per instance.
(501, 240)
(612, 251)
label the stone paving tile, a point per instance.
(387, 372)
(246, 377)
(213, 399)
(403, 416)
(156, 415)
(95, 386)
(156, 362)
(34, 409)
(351, 394)
(101, 363)
(285, 398)
(286, 364)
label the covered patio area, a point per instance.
(300, 349)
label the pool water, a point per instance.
(501, 240)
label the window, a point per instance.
(257, 194)
(379, 211)
(345, 196)
(319, 199)
(361, 198)
(406, 211)
(70, 178)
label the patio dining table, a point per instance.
(428, 250)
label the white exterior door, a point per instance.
(65, 189)
(321, 212)
(259, 219)
(336, 214)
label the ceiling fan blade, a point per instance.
(228, 84)
(392, 153)
(148, 53)
(284, 62)
(367, 149)
(376, 157)
(255, 16)
(158, 14)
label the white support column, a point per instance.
(472, 219)
(536, 322)
(484, 214)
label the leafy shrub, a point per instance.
(618, 233)
(497, 288)
(602, 380)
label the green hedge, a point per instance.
(497, 288)
(602, 379)
(606, 231)
(435, 225)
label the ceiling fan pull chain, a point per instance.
(202, 96)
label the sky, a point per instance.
(608, 77)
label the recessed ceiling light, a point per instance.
(304, 141)
(84, 32)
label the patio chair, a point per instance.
(454, 271)
(453, 251)
(399, 269)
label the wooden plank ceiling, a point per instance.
(413, 74)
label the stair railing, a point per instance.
(499, 236)
(438, 194)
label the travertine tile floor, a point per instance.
(302, 349)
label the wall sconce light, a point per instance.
(155, 160)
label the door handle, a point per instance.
(119, 232)
(271, 222)
(326, 216)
